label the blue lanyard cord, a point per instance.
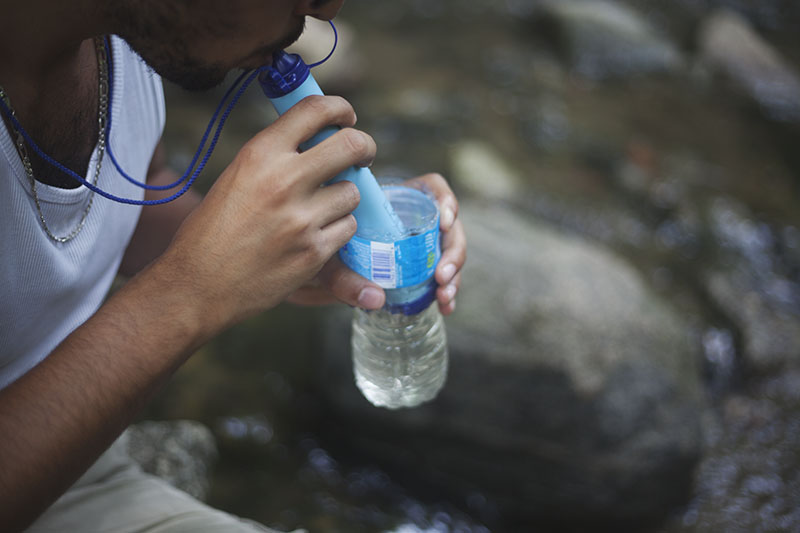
(192, 175)
(199, 148)
(205, 135)
(335, 42)
(189, 176)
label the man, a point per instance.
(74, 373)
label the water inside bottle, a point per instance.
(399, 360)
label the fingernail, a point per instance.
(447, 217)
(370, 298)
(448, 271)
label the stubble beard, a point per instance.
(173, 64)
(171, 59)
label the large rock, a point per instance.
(730, 46)
(607, 40)
(181, 452)
(573, 394)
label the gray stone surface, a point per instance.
(607, 40)
(748, 480)
(730, 46)
(480, 170)
(755, 287)
(181, 452)
(573, 392)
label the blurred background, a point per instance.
(625, 354)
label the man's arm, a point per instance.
(264, 229)
(59, 417)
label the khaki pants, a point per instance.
(115, 496)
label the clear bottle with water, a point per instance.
(400, 351)
(399, 360)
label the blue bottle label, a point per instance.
(394, 265)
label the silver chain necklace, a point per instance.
(102, 118)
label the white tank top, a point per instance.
(48, 289)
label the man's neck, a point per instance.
(48, 67)
(41, 37)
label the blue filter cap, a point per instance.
(287, 73)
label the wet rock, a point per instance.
(180, 452)
(748, 480)
(479, 169)
(573, 392)
(771, 336)
(731, 47)
(606, 40)
(752, 284)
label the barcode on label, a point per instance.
(383, 267)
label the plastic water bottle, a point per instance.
(400, 351)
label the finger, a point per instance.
(448, 308)
(336, 234)
(334, 201)
(454, 254)
(447, 293)
(306, 118)
(349, 287)
(438, 186)
(344, 149)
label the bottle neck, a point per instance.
(387, 320)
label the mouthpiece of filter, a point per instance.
(287, 73)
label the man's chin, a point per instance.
(196, 81)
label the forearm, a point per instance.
(59, 417)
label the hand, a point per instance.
(454, 240)
(266, 227)
(337, 282)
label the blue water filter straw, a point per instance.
(414, 250)
(288, 81)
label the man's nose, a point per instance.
(319, 9)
